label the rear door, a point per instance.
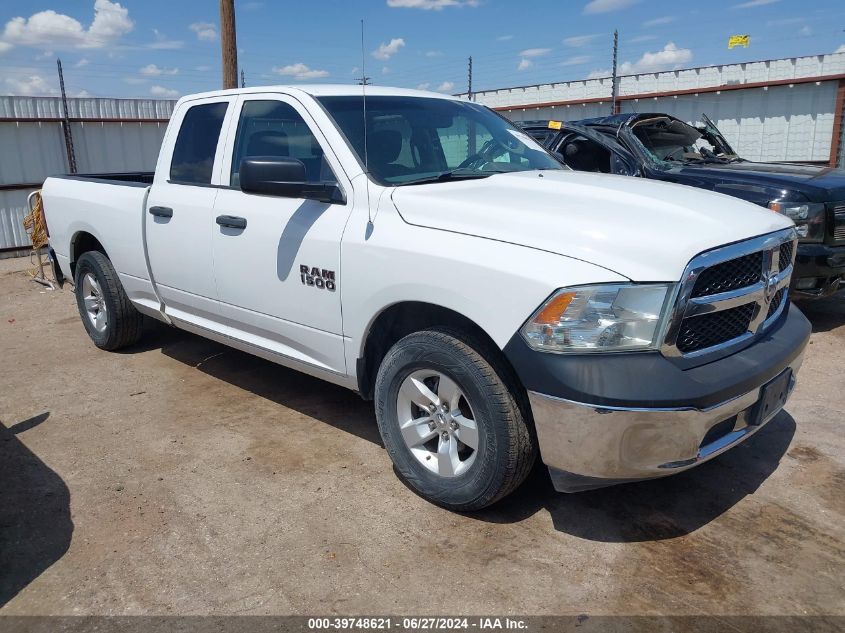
(279, 276)
(178, 219)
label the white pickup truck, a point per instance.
(422, 251)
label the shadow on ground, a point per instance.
(318, 399)
(35, 523)
(658, 509)
(645, 511)
(825, 314)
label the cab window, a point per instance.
(273, 128)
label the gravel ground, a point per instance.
(183, 477)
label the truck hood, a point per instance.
(644, 230)
(817, 184)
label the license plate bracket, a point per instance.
(773, 397)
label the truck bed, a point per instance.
(108, 208)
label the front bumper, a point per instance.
(819, 271)
(639, 416)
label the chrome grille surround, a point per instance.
(762, 293)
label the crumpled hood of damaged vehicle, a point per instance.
(644, 230)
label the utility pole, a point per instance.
(228, 44)
(613, 85)
(471, 131)
(364, 81)
(71, 155)
(469, 79)
(243, 81)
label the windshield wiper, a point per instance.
(446, 176)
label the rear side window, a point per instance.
(196, 144)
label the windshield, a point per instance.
(670, 140)
(420, 139)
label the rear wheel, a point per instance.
(109, 317)
(451, 421)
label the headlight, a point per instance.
(601, 318)
(808, 218)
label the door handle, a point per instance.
(231, 221)
(161, 212)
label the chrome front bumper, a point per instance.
(588, 447)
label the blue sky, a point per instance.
(143, 48)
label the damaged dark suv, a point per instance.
(659, 146)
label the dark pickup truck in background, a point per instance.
(661, 147)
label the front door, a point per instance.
(278, 276)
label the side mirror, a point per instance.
(273, 176)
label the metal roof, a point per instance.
(95, 108)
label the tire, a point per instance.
(446, 469)
(109, 317)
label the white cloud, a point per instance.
(59, 31)
(385, 70)
(163, 43)
(669, 57)
(524, 64)
(754, 3)
(82, 62)
(434, 53)
(205, 31)
(151, 70)
(658, 21)
(642, 38)
(431, 5)
(386, 51)
(161, 91)
(300, 71)
(424, 86)
(535, 52)
(446, 86)
(841, 49)
(805, 31)
(203, 69)
(5, 46)
(82, 94)
(504, 38)
(134, 81)
(354, 71)
(251, 6)
(605, 6)
(31, 85)
(576, 41)
(575, 61)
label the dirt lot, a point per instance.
(182, 477)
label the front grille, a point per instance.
(713, 328)
(785, 255)
(730, 275)
(776, 301)
(839, 222)
(723, 298)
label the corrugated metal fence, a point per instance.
(108, 135)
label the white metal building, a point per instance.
(774, 110)
(109, 135)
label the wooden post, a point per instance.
(228, 44)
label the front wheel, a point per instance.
(451, 421)
(109, 317)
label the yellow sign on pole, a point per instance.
(739, 40)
